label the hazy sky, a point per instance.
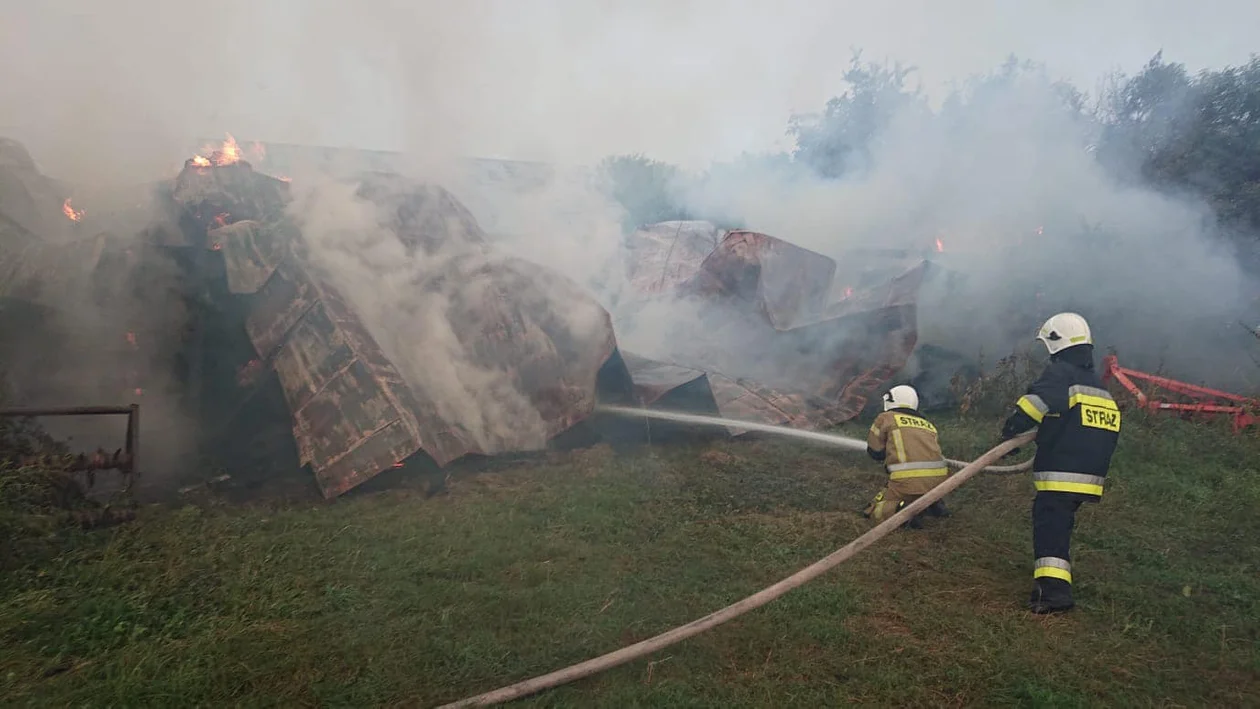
(130, 80)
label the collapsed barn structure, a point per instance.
(404, 335)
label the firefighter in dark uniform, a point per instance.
(906, 444)
(1078, 425)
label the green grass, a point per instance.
(395, 599)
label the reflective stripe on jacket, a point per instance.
(907, 444)
(1078, 425)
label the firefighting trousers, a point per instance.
(886, 504)
(1053, 517)
(899, 493)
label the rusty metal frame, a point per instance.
(123, 461)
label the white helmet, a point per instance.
(901, 397)
(1063, 331)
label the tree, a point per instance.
(645, 188)
(1142, 115)
(1199, 135)
(842, 138)
(985, 89)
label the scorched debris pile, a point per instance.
(405, 335)
(88, 310)
(758, 328)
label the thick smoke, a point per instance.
(86, 316)
(479, 336)
(562, 218)
(116, 92)
(1003, 181)
(111, 98)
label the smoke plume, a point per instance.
(1003, 183)
(111, 100)
(486, 341)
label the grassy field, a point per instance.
(396, 599)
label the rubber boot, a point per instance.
(1050, 596)
(937, 509)
(915, 522)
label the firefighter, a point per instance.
(906, 443)
(1078, 426)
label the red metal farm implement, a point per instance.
(1197, 400)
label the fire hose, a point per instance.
(762, 597)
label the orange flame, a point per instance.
(940, 246)
(216, 246)
(848, 291)
(228, 153)
(131, 339)
(284, 178)
(139, 391)
(257, 151)
(71, 213)
(221, 218)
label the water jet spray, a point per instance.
(816, 436)
(700, 420)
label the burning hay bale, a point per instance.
(94, 307)
(30, 202)
(786, 283)
(251, 252)
(216, 191)
(674, 388)
(397, 332)
(758, 315)
(661, 257)
(426, 218)
(371, 322)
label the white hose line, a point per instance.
(695, 627)
(817, 436)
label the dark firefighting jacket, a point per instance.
(1078, 425)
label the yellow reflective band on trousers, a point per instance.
(1053, 567)
(1069, 482)
(917, 473)
(1034, 406)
